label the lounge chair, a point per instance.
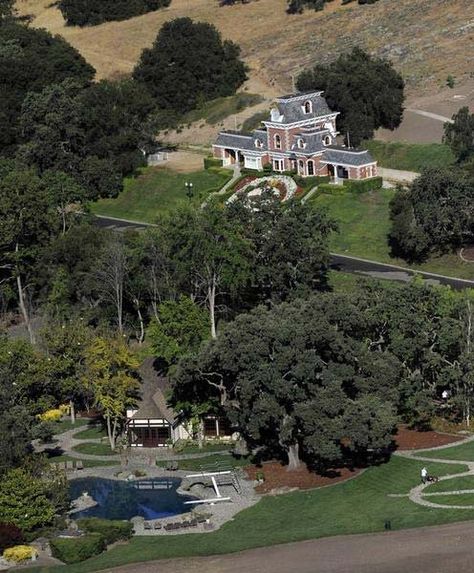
(172, 466)
(79, 465)
(157, 525)
(69, 466)
(147, 525)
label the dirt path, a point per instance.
(443, 549)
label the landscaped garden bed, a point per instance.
(407, 439)
(277, 478)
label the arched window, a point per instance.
(301, 143)
(308, 108)
(277, 140)
(258, 143)
(327, 140)
(301, 167)
(310, 165)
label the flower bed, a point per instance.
(281, 185)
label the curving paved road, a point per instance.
(443, 549)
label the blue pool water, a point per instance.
(150, 498)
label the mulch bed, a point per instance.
(413, 440)
(278, 478)
(468, 253)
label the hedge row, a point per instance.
(212, 162)
(110, 530)
(332, 189)
(363, 185)
(77, 549)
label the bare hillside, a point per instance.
(426, 39)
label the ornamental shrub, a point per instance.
(51, 415)
(10, 535)
(331, 189)
(77, 549)
(363, 185)
(110, 530)
(212, 162)
(20, 553)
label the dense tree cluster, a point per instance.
(30, 60)
(94, 133)
(366, 91)
(298, 6)
(93, 12)
(434, 214)
(189, 64)
(326, 377)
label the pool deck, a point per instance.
(220, 512)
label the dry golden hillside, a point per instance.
(426, 39)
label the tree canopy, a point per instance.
(189, 64)
(30, 60)
(93, 133)
(366, 91)
(293, 379)
(459, 135)
(434, 214)
(93, 12)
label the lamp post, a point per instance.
(189, 190)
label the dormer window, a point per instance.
(277, 140)
(301, 143)
(308, 107)
(327, 140)
(258, 143)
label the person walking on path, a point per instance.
(424, 475)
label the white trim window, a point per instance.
(277, 140)
(327, 140)
(301, 143)
(258, 143)
(310, 167)
(307, 107)
(278, 165)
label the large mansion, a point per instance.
(299, 136)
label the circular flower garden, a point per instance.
(281, 186)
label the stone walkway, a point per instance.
(418, 495)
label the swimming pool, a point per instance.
(150, 498)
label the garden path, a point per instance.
(66, 441)
(417, 494)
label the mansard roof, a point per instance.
(237, 140)
(346, 156)
(313, 143)
(291, 108)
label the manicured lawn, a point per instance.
(360, 505)
(87, 463)
(462, 499)
(410, 156)
(65, 425)
(92, 432)
(462, 452)
(96, 449)
(364, 224)
(194, 449)
(158, 190)
(217, 460)
(466, 482)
